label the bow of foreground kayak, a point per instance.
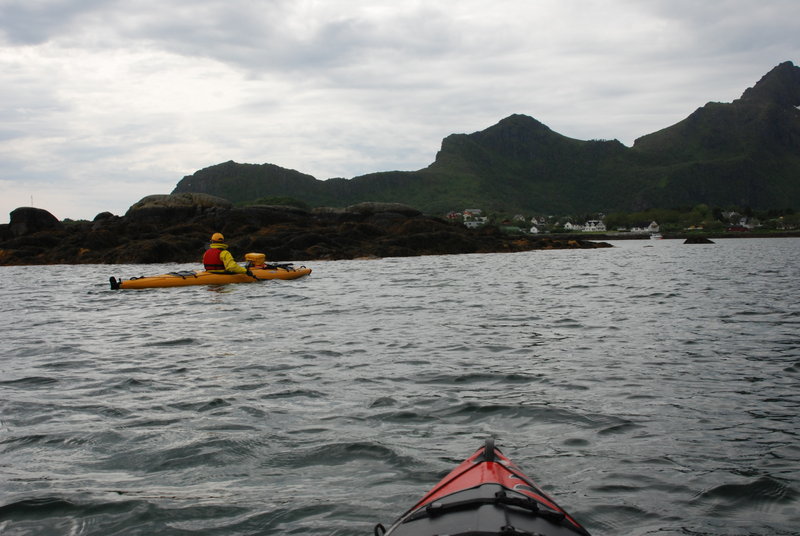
(191, 278)
(485, 495)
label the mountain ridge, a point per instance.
(744, 153)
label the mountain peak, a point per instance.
(781, 86)
(726, 154)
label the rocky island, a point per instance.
(177, 227)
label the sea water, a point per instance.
(650, 388)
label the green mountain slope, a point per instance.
(744, 153)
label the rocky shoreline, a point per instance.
(177, 227)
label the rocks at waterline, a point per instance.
(176, 228)
(698, 240)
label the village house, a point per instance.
(473, 218)
(652, 228)
(594, 225)
(476, 222)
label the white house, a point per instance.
(472, 218)
(475, 222)
(594, 225)
(652, 228)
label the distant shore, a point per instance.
(176, 228)
(671, 235)
(164, 230)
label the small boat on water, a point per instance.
(260, 270)
(656, 236)
(485, 495)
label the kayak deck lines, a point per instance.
(485, 495)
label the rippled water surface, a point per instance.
(652, 388)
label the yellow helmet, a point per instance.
(217, 237)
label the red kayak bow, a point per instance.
(485, 495)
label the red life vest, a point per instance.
(211, 259)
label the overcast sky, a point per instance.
(103, 102)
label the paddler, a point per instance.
(218, 260)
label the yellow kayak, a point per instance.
(261, 272)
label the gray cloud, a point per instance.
(141, 93)
(30, 22)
